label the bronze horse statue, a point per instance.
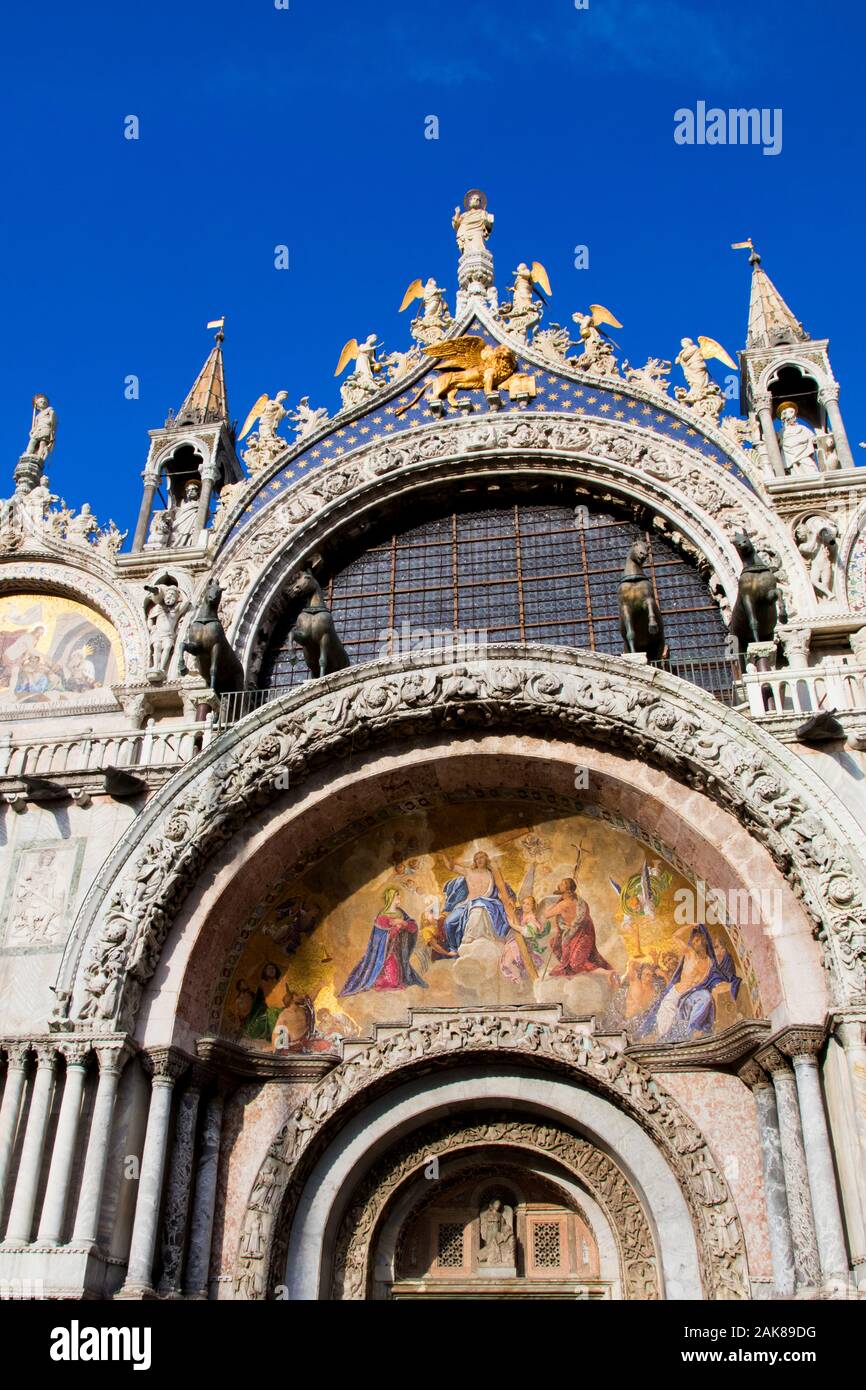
(314, 630)
(206, 640)
(640, 621)
(757, 609)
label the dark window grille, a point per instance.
(521, 574)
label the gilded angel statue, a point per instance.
(265, 444)
(360, 383)
(269, 413)
(434, 320)
(598, 346)
(529, 282)
(701, 393)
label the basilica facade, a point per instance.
(433, 861)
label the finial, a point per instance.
(748, 244)
(218, 324)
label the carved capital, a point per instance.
(752, 1074)
(774, 1062)
(829, 393)
(45, 1054)
(17, 1055)
(165, 1064)
(75, 1051)
(800, 1042)
(113, 1055)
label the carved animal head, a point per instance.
(213, 593)
(744, 546)
(639, 553)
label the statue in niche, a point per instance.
(496, 1228)
(159, 535)
(797, 442)
(184, 522)
(163, 617)
(474, 224)
(43, 429)
(816, 541)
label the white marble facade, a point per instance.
(141, 824)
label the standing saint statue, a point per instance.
(184, 526)
(496, 1228)
(796, 441)
(43, 429)
(474, 225)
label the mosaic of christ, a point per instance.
(467, 905)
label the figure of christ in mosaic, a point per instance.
(419, 915)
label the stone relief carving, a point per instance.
(605, 1180)
(699, 740)
(602, 1064)
(817, 538)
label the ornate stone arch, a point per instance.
(698, 505)
(124, 920)
(83, 585)
(596, 1063)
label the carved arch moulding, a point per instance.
(700, 505)
(595, 1062)
(125, 918)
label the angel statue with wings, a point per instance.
(598, 346)
(265, 445)
(434, 320)
(525, 310)
(701, 393)
(361, 383)
(468, 362)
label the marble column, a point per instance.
(179, 1183)
(151, 483)
(20, 1227)
(829, 399)
(165, 1065)
(209, 473)
(807, 1265)
(17, 1059)
(204, 1201)
(112, 1058)
(778, 1219)
(802, 1046)
(63, 1155)
(764, 407)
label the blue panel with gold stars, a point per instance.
(553, 393)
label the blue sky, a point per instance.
(305, 127)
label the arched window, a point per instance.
(517, 573)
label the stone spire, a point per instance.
(207, 401)
(771, 322)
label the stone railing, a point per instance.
(83, 757)
(839, 683)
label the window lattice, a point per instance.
(546, 1251)
(449, 1245)
(520, 574)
